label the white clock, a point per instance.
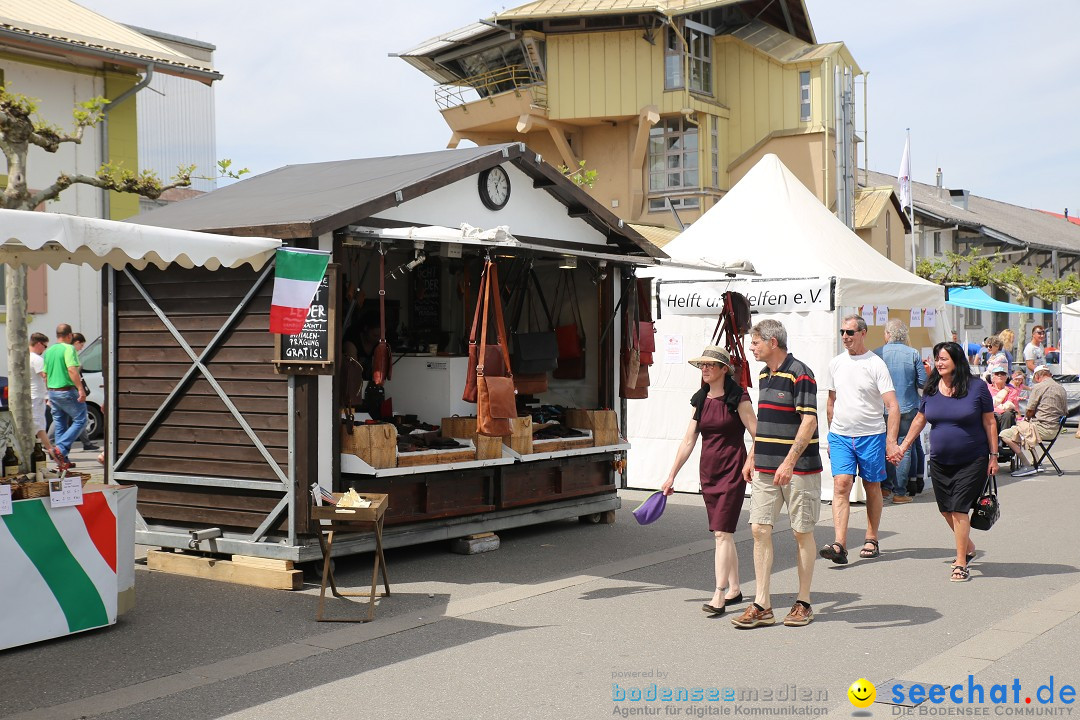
(494, 185)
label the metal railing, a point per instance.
(515, 78)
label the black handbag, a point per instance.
(536, 350)
(987, 509)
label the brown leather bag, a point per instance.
(493, 363)
(495, 400)
(570, 336)
(633, 374)
(382, 361)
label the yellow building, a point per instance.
(671, 102)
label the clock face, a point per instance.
(494, 188)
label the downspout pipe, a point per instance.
(106, 204)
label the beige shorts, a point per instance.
(802, 495)
(1044, 432)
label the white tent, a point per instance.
(1070, 339)
(814, 270)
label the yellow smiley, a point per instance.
(862, 693)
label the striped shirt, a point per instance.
(783, 398)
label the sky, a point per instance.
(988, 91)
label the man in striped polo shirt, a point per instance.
(783, 467)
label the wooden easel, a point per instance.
(352, 520)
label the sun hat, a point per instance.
(995, 369)
(713, 353)
(651, 510)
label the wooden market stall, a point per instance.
(225, 427)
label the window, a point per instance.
(937, 243)
(689, 38)
(673, 162)
(673, 60)
(972, 318)
(804, 95)
(714, 151)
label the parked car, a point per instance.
(90, 359)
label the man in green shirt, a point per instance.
(66, 396)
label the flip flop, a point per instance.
(867, 554)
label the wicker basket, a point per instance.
(35, 489)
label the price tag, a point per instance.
(65, 492)
(881, 316)
(930, 317)
(5, 500)
(916, 318)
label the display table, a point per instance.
(369, 519)
(66, 569)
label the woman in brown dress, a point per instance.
(722, 414)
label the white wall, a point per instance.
(73, 292)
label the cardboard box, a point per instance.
(374, 444)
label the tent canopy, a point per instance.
(770, 218)
(36, 238)
(977, 299)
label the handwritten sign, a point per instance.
(65, 492)
(311, 351)
(930, 317)
(882, 316)
(5, 500)
(916, 318)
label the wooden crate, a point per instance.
(464, 427)
(379, 503)
(374, 444)
(435, 457)
(603, 424)
(520, 440)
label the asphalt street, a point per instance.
(573, 621)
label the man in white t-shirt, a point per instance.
(38, 391)
(860, 393)
(1034, 354)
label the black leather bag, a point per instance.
(987, 509)
(536, 350)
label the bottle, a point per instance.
(38, 462)
(10, 462)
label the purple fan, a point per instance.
(651, 510)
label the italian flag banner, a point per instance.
(297, 275)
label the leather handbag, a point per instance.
(633, 376)
(570, 337)
(536, 349)
(646, 342)
(493, 362)
(987, 508)
(382, 364)
(495, 395)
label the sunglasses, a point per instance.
(849, 333)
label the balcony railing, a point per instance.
(515, 78)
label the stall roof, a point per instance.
(977, 299)
(36, 238)
(306, 201)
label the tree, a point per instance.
(21, 129)
(972, 269)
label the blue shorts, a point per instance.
(862, 456)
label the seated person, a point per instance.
(1046, 405)
(995, 355)
(1006, 397)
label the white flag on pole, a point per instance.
(905, 175)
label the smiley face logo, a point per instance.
(862, 693)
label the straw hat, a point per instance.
(713, 353)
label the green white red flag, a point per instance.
(297, 274)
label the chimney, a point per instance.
(959, 198)
(939, 182)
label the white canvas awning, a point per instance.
(36, 238)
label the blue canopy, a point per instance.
(976, 299)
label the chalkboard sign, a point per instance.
(311, 352)
(425, 303)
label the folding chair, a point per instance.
(1045, 446)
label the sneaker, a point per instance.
(801, 614)
(900, 499)
(753, 617)
(91, 447)
(1025, 471)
